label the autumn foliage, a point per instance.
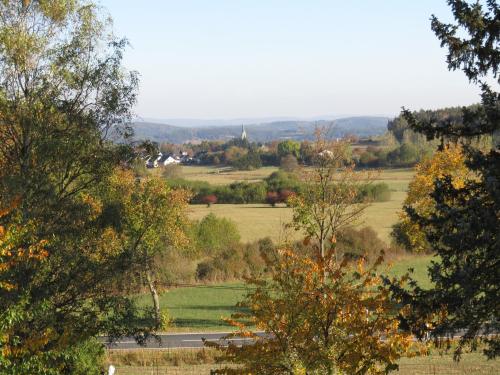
(152, 219)
(450, 161)
(272, 198)
(318, 317)
(18, 249)
(209, 199)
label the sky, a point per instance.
(225, 59)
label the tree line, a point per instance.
(399, 147)
(276, 188)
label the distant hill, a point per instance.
(363, 126)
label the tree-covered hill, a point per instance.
(299, 130)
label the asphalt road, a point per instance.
(175, 340)
(184, 340)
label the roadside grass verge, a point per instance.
(201, 361)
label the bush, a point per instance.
(404, 156)
(285, 194)
(281, 180)
(205, 271)
(209, 199)
(139, 168)
(236, 262)
(239, 192)
(272, 198)
(196, 187)
(214, 235)
(247, 162)
(176, 267)
(253, 193)
(85, 359)
(172, 171)
(378, 192)
(289, 163)
(357, 243)
(269, 159)
(289, 147)
(400, 236)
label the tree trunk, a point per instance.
(154, 295)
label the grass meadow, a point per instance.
(224, 175)
(256, 221)
(202, 307)
(397, 179)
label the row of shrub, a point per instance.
(404, 155)
(274, 189)
(225, 258)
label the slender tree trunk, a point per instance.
(155, 297)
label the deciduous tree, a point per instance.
(328, 201)
(63, 95)
(289, 163)
(447, 162)
(209, 199)
(151, 219)
(288, 147)
(272, 198)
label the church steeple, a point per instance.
(243, 133)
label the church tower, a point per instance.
(243, 133)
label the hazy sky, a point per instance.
(263, 58)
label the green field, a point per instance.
(201, 307)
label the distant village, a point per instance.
(162, 159)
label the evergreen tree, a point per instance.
(464, 228)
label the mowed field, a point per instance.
(202, 307)
(256, 221)
(224, 175)
(397, 179)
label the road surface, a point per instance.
(185, 340)
(175, 340)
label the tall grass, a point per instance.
(201, 361)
